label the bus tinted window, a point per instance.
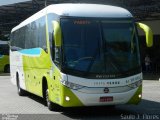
(100, 47)
(30, 36)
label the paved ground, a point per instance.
(13, 107)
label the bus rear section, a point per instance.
(4, 57)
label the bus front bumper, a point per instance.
(74, 98)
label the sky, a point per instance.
(6, 2)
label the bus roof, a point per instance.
(3, 42)
(89, 10)
(79, 10)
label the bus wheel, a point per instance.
(7, 69)
(21, 92)
(49, 104)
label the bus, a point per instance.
(4, 57)
(74, 55)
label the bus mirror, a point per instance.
(57, 33)
(148, 33)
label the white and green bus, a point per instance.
(79, 55)
(4, 57)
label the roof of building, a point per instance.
(13, 14)
(3, 42)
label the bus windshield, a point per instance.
(100, 47)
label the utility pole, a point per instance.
(45, 3)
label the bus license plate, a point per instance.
(106, 99)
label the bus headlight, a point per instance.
(71, 85)
(136, 84)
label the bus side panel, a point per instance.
(55, 86)
(36, 66)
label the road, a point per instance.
(30, 107)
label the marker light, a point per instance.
(67, 98)
(139, 95)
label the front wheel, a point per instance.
(51, 106)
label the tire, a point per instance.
(7, 69)
(51, 106)
(21, 92)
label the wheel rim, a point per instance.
(47, 97)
